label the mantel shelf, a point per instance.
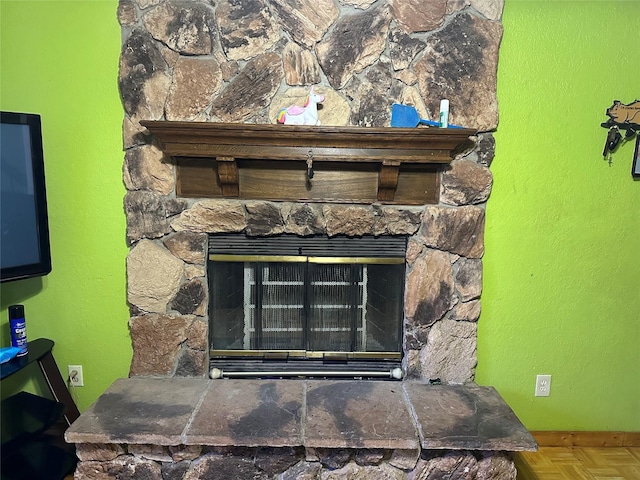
(258, 160)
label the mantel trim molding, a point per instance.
(280, 162)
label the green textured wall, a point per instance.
(562, 265)
(60, 59)
(562, 293)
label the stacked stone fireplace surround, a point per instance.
(241, 61)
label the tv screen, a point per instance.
(24, 240)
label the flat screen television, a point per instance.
(24, 240)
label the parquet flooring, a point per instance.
(579, 463)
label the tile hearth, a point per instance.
(154, 421)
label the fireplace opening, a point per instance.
(306, 306)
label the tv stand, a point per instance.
(28, 451)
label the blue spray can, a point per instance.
(18, 328)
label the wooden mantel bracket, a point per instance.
(228, 176)
(388, 181)
(350, 164)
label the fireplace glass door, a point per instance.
(306, 306)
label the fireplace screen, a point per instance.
(305, 297)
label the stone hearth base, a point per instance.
(187, 429)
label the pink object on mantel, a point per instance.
(307, 115)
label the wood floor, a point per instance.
(579, 463)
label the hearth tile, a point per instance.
(358, 414)
(140, 410)
(466, 417)
(249, 413)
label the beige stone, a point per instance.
(185, 452)
(348, 220)
(300, 65)
(127, 14)
(145, 168)
(157, 453)
(404, 459)
(143, 4)
(362, 4)
(491, 9)
(195, 82)
(411, 96)
(466, 312)
(188, 246)
(334, 111)
(353, 471)
(496, 466)
(153, 276)
(101, 452)
(194, 271)
(170, 56)
(197, 335)
(451, 352)
(465, 182)
(397, 221)
(157, 341)
(418, 15)
(212, 216)
(414, 249)
(132, 132)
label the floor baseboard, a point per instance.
(586, 439)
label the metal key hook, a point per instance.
(310, 164)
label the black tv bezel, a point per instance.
(43, 266)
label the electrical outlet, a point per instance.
(75, 375)
(543, 385)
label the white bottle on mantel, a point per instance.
(444, 113)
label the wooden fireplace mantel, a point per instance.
(305, 163)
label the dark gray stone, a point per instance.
(251, 90)
(373, 95)
(460, 64)
(306, 21)
(186, 27)
(486, 149)
(175, 471)
(456, 230)
(190, 298)
(224, 467)
(140, 61)
(263, 218)
(334, 458)
(466, 417)
(468, 278)
(247, 29)
(276, 460)
(403, 48)
(354, 43)
(192, 363)
(369, 456)
(146, 216)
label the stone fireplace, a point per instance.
(240, 62)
